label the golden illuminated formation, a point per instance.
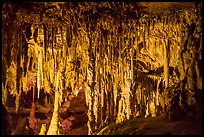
(101, 68)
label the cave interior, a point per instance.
(101, 68)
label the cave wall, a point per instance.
(121, 58)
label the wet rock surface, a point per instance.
(153, 126)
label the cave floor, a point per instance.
(153, 126)
(159, 125)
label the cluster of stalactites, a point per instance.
(104, 55)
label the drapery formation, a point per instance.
(125, 59)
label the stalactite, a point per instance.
(96, 90)
(105, 88)
(99, 98)
(46, 66)
(45, 42)
(153, 23)
(102, 99)
(113, 97)
(64, 49)
(144, 38)
(147, 33)
(101, 89)
(8, 46)
(157, 91)
(131, 57)
(40, 71)
(52, 62)
(24, 82)
(163, 22)
(69, 36)
(60, 90)
(166, 63)
(115, 86)
(4, 69)
(111, 100)
(120, 67)
(166, 69)
(128, 92)
(96, 105)
(91, 82)
(168, 19)
(106, 79)
(38, 77)
(180, 60)
(149, 26)
(53, 44)
(18, 72)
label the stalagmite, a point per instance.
(43, 130)
(53, 128)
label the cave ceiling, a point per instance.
(111, 18)
(62, 11)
